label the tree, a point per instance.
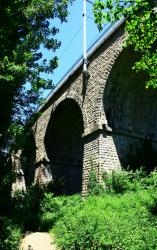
(25, 26)
(141, 27)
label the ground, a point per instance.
(37, 241)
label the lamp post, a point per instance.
(84, 37)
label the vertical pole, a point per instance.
(84, 38)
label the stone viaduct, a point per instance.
(104, 120)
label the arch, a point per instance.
(64, 146)
(75, 96)
(131, 112)
(28, 158)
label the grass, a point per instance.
(122, 216)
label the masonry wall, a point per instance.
(131, 112)
(118, 115)
(88, 96)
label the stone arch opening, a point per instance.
(131, 112)
(28, 158)
(64, 147)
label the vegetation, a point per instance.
(26, 27)
(10, 234)
(123, 215)
(109, 222)
(141, 27)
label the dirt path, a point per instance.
(37, 241)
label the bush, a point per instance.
(122, 181)
(94, 188)
(52, 208)
(25, 207)
(122, 216)
(109, 222)
(49, 210)
(10, 235)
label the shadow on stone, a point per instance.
(64, 147)
(131, 112)
(28, 158)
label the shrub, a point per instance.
(123, 216)
(25, 207)
(123, 181)
(52, 208)
(109, 222)
(120, 181)
(94, 188)
(10, 235)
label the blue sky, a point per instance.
(71, 37)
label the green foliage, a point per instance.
(141, 26)
(123, 216)
(94, 188)
(25, 207)
(10, 234)
(25, 28)
(52, 208)
(36, 209)
(118, 182)
(123, 181)
(109, 222)
(7, 177)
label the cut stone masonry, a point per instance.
(106, 121)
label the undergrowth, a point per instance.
(109, 222)
(10, 234)
(120, 214)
